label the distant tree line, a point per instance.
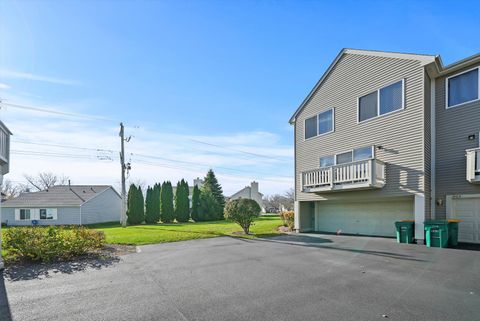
(161, 204)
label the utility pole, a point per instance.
(122, 164)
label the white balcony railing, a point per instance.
(369, 173)
(473, 165)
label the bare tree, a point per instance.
(10, 190)
(46, 180)
(289, 199)
(277, 202)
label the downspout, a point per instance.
(433, 149)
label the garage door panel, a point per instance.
(468, 211)
(362, 218)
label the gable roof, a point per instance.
(246, 188)
(58, 196)
(425, 59)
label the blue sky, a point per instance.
(229, 73)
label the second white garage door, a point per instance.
(467, 209)
(362, 218)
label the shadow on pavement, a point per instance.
(30, 271)
(467, 247)
(322, 243)
(5, 314)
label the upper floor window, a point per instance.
(463, 88)
(320, 124)
(382, 101)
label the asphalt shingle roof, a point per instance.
(60, 195)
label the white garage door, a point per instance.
(467, 210)
(362, 218)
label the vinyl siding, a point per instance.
(105, 207)
(65, 216)
(401, 133)
(453, 126)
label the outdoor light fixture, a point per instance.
(439, 201)
(471, 137)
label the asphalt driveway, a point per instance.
(306, 277)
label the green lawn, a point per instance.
(160, 233)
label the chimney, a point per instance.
(254, 189)
(198, 182)
(68, 183)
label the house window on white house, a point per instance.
(463, 88)
(327, 161)
(48, 214)
(382, 101)
(25, 214)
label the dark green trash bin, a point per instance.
(436, 233)
(453, 232)
(405, 231)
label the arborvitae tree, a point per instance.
(211, 184)
(167, 213)
(152, 206)
(181, 202)
(195, 203)
(208, 208)
(156, 200)
(135, 205)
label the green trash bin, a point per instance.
(405, 231)
(436, 233)
(453, 232)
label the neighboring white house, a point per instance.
(4, 166)
(64, 205)
(249, 192)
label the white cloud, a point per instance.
(175, 156)
(30, 76)
(4, 86)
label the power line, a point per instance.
(56, 112)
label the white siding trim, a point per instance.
(419, 210)
(458, 74)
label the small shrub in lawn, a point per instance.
(288, 218)
(242, 211)
(50, 243)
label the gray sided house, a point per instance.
(4, 167)
(389, 136)
(64, 205)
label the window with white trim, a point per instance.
(25, 214)
(327, 161)
(463, 88)
(382, 101)
(344, 158)
(320, 124)
(362, 153)
(47, 214)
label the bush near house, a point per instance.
(50, 243)
(288, 219)
(242, 211)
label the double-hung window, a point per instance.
(382, 101)
(25, 214)
(463, 88)
(320, 124)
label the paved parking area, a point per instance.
(291, 277)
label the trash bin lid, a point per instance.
(454, 220)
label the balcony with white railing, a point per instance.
(364, 174)
(473, 165)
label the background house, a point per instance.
(249, 192)
(64, 205)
